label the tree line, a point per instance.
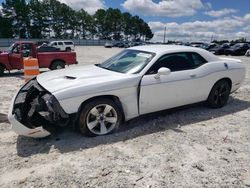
(50, 18)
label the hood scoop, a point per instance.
(70, 77)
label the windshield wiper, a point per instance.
(99, 65)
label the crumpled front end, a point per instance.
(35, 112)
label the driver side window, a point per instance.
(26, 50)
(177, 62)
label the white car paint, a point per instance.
(63, 45)
(168, 91)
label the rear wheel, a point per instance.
(57, 65)
(219, 94)
(99, 117)
(2, 68)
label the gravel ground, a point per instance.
(188, 147)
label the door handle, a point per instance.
(192, 75)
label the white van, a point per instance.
(63, 45)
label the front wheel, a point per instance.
(100, 117)
(219, 94)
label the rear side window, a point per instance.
(197, 60)
(68, 43)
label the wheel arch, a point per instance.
(53, 61)
(3, 65)
(226, 79)
(111, 97)
(4, 68)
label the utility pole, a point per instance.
(164, 39)
(212, 37)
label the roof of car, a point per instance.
(163, 48)
(160, 49)
(61, 41)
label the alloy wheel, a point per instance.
(101, 119)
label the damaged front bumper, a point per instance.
(35, 112)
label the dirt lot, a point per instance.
(190, 147)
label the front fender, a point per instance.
(127, 96)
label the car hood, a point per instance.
(214, 49)
(85, 80)
(3, 53)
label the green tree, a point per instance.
(57, 16)
(126, 25)
(39, 21)
(85, 24)
(113, 23)
(100, 24)
(6, 27)
(17, 11)
(50, 18)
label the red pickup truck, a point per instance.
(48, 57)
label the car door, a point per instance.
(244, 49)
(54, 44)
(176, 89)
(61, 46)
(15, 57)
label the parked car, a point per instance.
(108, 45)
(13, 57)
(197, 44)
(209, 46)
(42, 42)
(116, 44)
(137, 81)
(247, 53)
(238, 49)
(46, 48)
(63, 45)
(220, 49)
(123, 45)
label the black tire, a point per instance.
(57, 65)
(85, 115)
(2, 69)
(219, 94)
(68, 49)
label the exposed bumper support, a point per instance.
(20, 129)
(34, 111)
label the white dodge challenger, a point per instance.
(139, 80)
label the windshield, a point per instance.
(128, 61)
(237, 45)
(10, 48)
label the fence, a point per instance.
(78, 42)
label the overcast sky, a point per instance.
(184, 19)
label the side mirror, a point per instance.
(162, 71)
